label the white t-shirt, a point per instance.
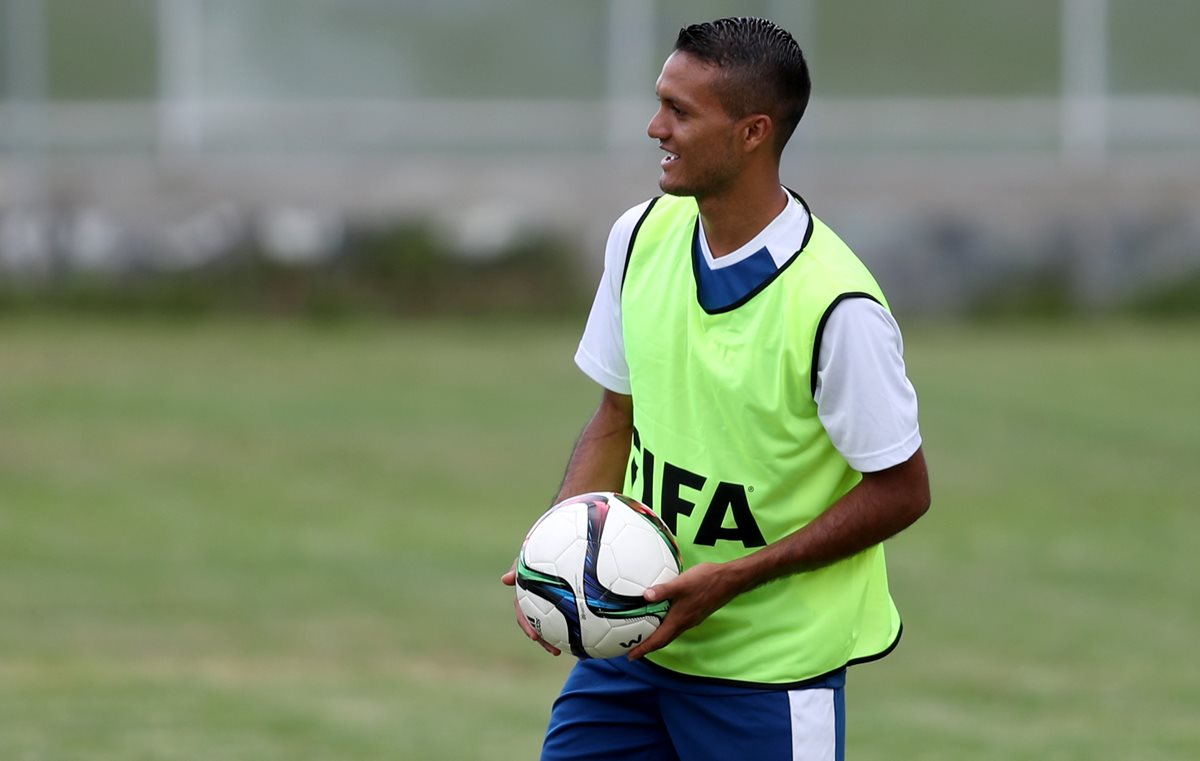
(864, 398)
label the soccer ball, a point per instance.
(582, 570)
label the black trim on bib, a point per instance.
(633, 237)
(809, 232)
(816, 352)
(885, 653)
(797, 685)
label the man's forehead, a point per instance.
(683, 70)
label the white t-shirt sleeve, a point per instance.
(864, 398)
(601, 352)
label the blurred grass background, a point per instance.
(282, 540)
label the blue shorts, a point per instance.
(634, 711)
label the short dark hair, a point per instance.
(763, 69)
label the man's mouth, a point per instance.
(669, 158)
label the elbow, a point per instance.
(916, 478)
(920, 503)
(901, 491)
(908, 508)
(909, 503)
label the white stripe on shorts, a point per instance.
(814, 725)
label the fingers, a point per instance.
(530, 632)
(665, 632)
(661, 637)
(509, 578)
(683, 584)
(660, 592)
(693, 597)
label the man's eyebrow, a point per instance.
(669, 100)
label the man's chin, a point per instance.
(674, 188)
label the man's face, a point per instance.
(692, 126)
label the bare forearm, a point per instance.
(879, 507)
(600, 456)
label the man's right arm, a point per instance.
(602, 452)
(597, 464)
(600, 455)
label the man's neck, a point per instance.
(732, 219)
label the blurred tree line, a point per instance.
(402, 269)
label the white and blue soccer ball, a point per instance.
(583, 568)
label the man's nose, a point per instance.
(656, 129)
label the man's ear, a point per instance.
(756, 129)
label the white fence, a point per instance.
(1133, 126)
(231, 76)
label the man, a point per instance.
(754, 395)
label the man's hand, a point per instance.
(694, 595)
(510, 579)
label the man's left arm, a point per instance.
(882, 505)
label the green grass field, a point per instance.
(269, 542)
